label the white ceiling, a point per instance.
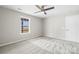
(59, 9)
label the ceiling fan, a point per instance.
(43, 8)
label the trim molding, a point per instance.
(61, 39)
(4, 44)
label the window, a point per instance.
(24, 25)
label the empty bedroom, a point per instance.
(39, 29)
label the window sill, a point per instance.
(24, 33)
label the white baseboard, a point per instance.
(61, 39)
(53, 37)
(4, 44)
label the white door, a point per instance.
(72, 28)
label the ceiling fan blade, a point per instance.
(38, 11)
(42, 6)
(38, 7)
(49, 8)
(41, 11)
(45, 10)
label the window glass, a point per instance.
(24, 25)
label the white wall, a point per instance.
(54, 27)
(10, 26)
(62, 27)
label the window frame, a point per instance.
(21, 25)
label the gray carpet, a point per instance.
(41, 45)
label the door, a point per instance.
(72, 28)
